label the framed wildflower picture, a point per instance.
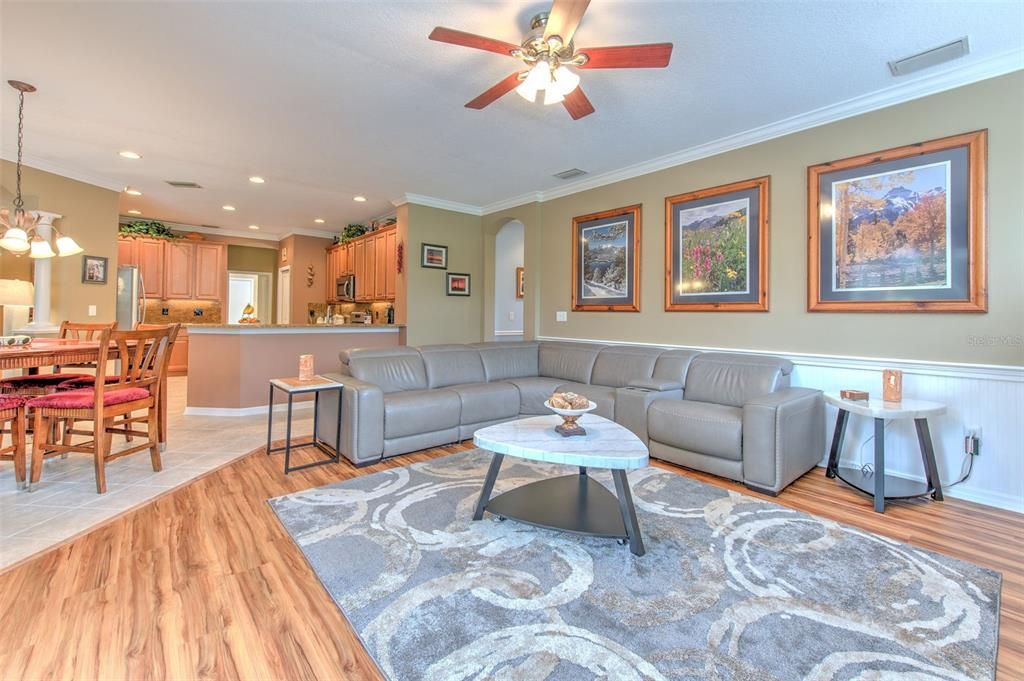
(606, 261)
(901, 230)
(716, 249)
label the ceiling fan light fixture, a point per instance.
(565, 81)
(552, 96)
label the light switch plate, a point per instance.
(511, 316)
(92, 310)
(561, 316)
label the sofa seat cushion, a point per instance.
(487, 401)
(533, 391)
(702, 427)
(86, 399)
(420, 411)
(601, 395)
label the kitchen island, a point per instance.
(230, 365)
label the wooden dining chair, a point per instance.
(44, 384)
(12, 422)
(144, 355)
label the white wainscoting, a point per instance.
(990, 397)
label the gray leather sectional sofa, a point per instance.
(732, 415)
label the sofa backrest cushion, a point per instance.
(735, 379)
(568, 361)
(517, 359)
(617, 365)
(452, 364)
(391, 369)
(673, 365)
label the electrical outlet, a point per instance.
(972, 440)
(92, 310)
(165, 311)
(197, 312)
(561, 316)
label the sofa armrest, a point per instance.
(362, 419)
(783, 437)
(656, 384)
(631, 404)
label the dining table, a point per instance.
(45, 352)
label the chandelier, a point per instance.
(18, 232)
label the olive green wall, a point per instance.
(256, 259)
(90, 217)
(430, 315)
(996, 104)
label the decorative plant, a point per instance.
(352, 232)
(146, 228)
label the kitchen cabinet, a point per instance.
(369, 270)
(391, 263)
(332, 273)
(359, 267)
(178, 362)
(148, 256)
(210, 269)
(371, 259)
(178, 269)
(380, 265)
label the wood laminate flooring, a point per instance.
(204, 583)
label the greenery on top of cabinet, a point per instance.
(147, 228)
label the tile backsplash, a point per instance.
(377, 309)
(183, 311)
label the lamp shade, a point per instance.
(67, 246)
(15, 292)
(41, 248)
(15, 240)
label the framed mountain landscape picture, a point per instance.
(716, 248)
(606, 261)
(901, 230)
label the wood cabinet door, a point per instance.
(331, 275)
(390, 263)
(342, 260)
(178, 362)
(178, 257)
(359, 267)
(149, 256)
(126, 252)
(370, 268)
(210, 270)
(381, 264)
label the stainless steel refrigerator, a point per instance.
(131, 297)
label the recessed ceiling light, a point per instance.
(228, 207)
(130, 154)
(132, 192)
(359, 198)
(256, 179)
(254, 226)
(135, 212)
(319, 221)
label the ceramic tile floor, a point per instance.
(64, 502)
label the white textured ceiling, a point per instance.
(328, 100)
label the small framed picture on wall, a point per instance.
(520, 288)
(94, 269)
(434, 256)
(456, 284)
(606, 261)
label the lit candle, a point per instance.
(305, 367)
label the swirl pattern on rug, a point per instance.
(731, 588)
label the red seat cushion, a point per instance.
(10, 402)
(86, 398)
(80, 382)
(37, 380)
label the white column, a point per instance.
(42, 274)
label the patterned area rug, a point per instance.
(731, 587)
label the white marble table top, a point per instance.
(606, 444)
(907, 409)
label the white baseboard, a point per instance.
(976, 395)
(244, 411)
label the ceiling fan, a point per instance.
(548, 52)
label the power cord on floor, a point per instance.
(868, 469)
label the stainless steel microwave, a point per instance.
(347, 288)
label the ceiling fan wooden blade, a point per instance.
(577, 104)
(564, 18)
(477, 42)
(653, 56)
(499, 90)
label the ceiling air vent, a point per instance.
(932, 57)
(180, 184)
(569, 174)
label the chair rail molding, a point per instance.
(986, 396)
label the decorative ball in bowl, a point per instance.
(570, 407)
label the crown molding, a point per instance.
(49, 166)
(970, 72)
(433, 202)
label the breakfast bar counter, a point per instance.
(230, 365)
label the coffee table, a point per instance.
(573, 503)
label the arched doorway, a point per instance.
(509, 253)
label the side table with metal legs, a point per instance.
(293, 387)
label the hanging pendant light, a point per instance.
(17, 226)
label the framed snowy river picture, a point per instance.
(606, 261)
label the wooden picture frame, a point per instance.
(457, 284)
(520, 288)
(619, 289)
(728, 275)
(924, 204)
(433, 256)
(94, 269)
